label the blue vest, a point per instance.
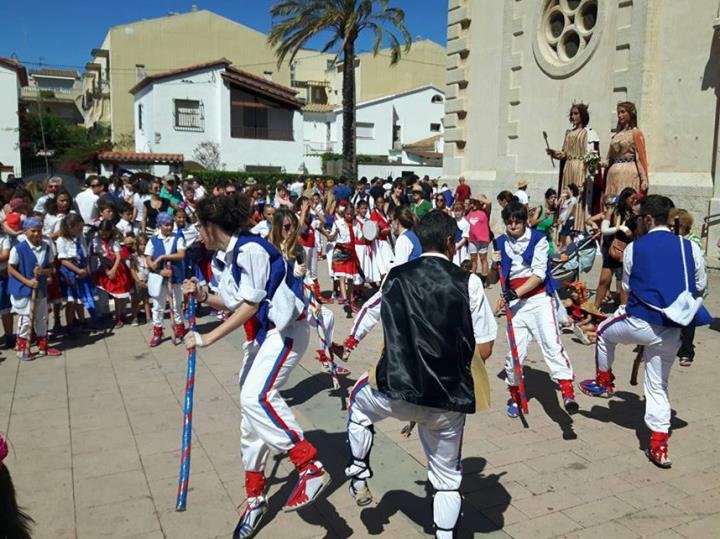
(550, 284)
(657, 277)
(26, 266)
(80, 261)
(416, 247)
(448, 198)
(178, 270)
(279, 268)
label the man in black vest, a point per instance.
(435, 317)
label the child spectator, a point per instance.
(113, 276)
(124, 225)
(566, 219)
(76, 286)
(30, 266)
(7, 317)
(165, 253)
(139, 271)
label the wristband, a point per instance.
(198, 339)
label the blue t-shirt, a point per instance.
(342, 192)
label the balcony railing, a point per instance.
(63, 94)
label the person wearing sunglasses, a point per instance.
(51, 187)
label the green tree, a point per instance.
(297, 21)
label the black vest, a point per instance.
(429, 338)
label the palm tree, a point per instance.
(296, 21)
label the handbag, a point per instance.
(617, 249)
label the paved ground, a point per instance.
(95, 449)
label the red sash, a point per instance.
(517, 283)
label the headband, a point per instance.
(164, 218)
(31, 222)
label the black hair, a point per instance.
(550, 193)
(624, 206)
(573, 189)
(658, 207)
(14, 522)
(380, 197)
(405, 217)
(51, 205)
(362, 202)
(106, 226)
(124, 207)
(299, 201)
(514, 211)
(584, 113)
(506, 196)
(434, 229)
(230, 213)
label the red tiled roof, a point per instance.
(424, 144)
(136, 157)
(18, 67)
(179, 71)
(319, 107)
(261, 85)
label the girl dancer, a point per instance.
(113, 276)
(253, 285)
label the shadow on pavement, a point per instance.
(484, 503)
(627, 410)
(320, 382)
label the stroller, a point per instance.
(577, 258)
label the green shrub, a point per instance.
(210, 178)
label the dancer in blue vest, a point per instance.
(407, 247)
(664, 276)
(523, 255)
(255, 283)
(163, 248)
(29, 267)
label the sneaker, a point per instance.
(571, 406)
(658, 450)
(513, 410)
(157, 336)
(119, 323)
(313, 479)
(361, 494)
(249, 522)
(685, 361)
(341, 371)
(592, 388)
(135, 323)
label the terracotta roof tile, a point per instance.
(424, 154)
(137, 157)
(179, 71)
(262, 85)
(426, 143)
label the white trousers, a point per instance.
(535, 318)
(440, 434)
(267, 423)
(325, 327)
(21, 307)
(158, 305)
(311, 262)
(661, 347)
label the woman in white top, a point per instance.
(252, 285)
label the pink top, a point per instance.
(479, 230)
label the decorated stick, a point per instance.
(547, 145)
(33, 302)
(316, 313)
(171, 301)
(513, 345)
(181, 502)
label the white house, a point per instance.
(255, 124)
(13, 77)
(384, 126)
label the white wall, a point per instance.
(9, 121)
(414, 109)
(208, 87)
(396, 171)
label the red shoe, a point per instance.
(157, 336)
(341, 371)
(119, 323)
(22, 348)
(658, 450)
(313, 479)
(179, 333)
(354, 308)
(44, 350)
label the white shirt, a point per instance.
(86, 202)
(403, 248)
(522, 197)
(297, 188)
(5, 245)
(138, 203)
(483, 319)
(167, 243)
(67, 249)
(698, 259)
(565, 208)
(190, 233)
(254, 264)
(261, 229)
(515, 249)
(51, 224)
(199, 192)
(40, 204)
(141, 267)
(343, 231)
(461, 254)
(124, 226)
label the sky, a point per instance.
(62, 34)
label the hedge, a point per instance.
(210, 178)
